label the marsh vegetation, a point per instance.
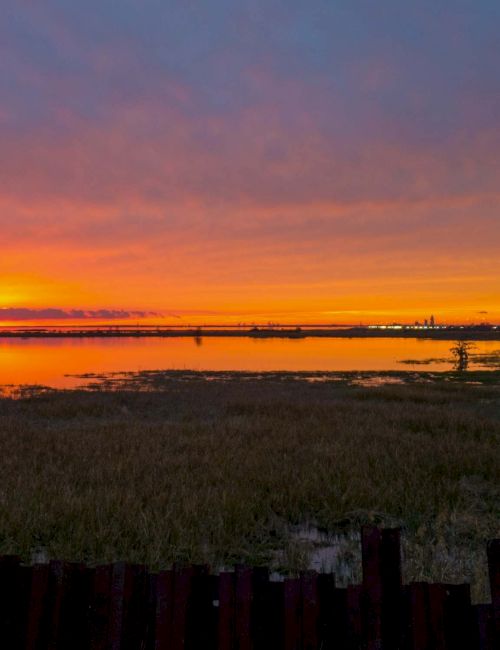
(271, 469)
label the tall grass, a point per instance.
(229, 471)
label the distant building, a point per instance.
(433, 322)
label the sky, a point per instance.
(229, 161)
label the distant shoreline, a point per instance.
(479, 333)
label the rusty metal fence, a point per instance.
(125, 607)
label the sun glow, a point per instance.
(261, 194)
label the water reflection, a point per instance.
(50, 361)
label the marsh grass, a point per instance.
(225, 471)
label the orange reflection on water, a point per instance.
(48, 361)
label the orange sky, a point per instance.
(275, 164)
(317, 270)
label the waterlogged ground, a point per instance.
(161, 380)
(277, 469)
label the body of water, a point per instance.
(50, 361)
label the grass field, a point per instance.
(274, 470)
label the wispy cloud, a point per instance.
(26, 314)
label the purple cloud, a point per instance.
(23, 313)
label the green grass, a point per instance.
(230, 470)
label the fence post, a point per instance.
(164, 609)
(135, 607)
(225, 628)
(354, 616)
(458, 616)
(328, 610)
(371, 550)
(310, 609)
(494, 573)
(483, 624)
(261, 620)
(391, 588)
(276, 615)
(117, 605)
(292, 617)
(243, 607)
(76, 610)
(419, 620)
(9, 578)
(151, 591)
(56, 601)
(437, 598)
(182, 593)
(202, 621)
(100, 608)
(37, 606)
(381, 605)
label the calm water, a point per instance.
(48, 361)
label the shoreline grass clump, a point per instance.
(229, 470)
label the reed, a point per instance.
(260, 470)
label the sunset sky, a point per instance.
(230, 160)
